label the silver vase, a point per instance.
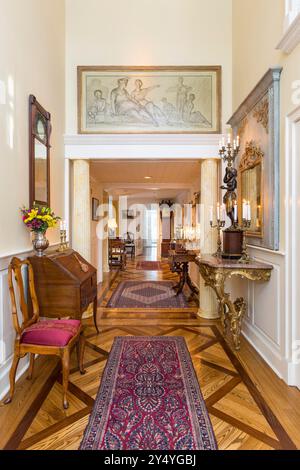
(40, 243)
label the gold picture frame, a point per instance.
(149, 100)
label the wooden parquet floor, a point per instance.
(241, 416)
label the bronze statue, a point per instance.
(230, 197)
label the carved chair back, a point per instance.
(19, 292)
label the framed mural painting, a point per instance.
(156, 100)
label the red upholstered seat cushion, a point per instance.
(51, 332)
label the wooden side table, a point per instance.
(179, 263)
(215, 271)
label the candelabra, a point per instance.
(245, 259)
(63, 238)
(219, 225)
(229, 153)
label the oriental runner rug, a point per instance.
(149, 266)
(149, 399)
(146, 294)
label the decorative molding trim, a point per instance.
(142, 139)
(260, 90)
(5, 259)
(291, 37)
(132, 147)
(252, 156)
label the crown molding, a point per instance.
(291, 37)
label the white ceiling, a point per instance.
(178, 171)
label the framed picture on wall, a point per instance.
(124, 100)
(95, 205)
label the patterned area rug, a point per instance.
(149, 399)
(149, 266)
(146, 294)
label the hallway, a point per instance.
(245, 412)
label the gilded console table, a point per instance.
(215, 272)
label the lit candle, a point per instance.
(218, 211)
(249, 212)
(234, 144)
(223, 212)
(229, 139)
(245, 209)
(61, 225)
(223, 141)
(235, 211)
(211, 213)
(238, 140)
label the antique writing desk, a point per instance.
(215, 271)
(179, 263)
(65, 284)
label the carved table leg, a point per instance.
(193, 288)
(236, 321)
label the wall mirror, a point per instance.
(39, 153)
(251, 186)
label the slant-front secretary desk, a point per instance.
(66, 284)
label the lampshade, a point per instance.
(112, 224)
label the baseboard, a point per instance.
(4, 374)
(294, 375)
(266, 350)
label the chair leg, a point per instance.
(12, 378)
(31, 366)
(80, 346)
(66, 371)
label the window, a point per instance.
(292, 9)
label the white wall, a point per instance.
(143, 32)
(32, 60)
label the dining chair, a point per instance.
(36, 335)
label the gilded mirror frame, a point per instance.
(252, 158)
(39, 131)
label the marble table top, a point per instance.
(218, 263)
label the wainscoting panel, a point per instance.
(7, 332)
(7, 337)
(264, 325)
(266, 315)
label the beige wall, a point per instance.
(32, 60)
(257, 29)
(143, 32)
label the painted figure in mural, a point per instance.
(98, 108)
(139, 95)
(122, 104)
(189, 113)
(182, 91)
(169, 110)
(230, 197)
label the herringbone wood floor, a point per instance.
(241, 415)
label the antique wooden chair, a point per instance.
(130, 244)
(117, 253)
(36, 336)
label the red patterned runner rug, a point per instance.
(149, 399)
(149, 266)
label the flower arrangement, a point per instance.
(39, 218)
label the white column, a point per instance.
(209, 197)
(81, 240)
